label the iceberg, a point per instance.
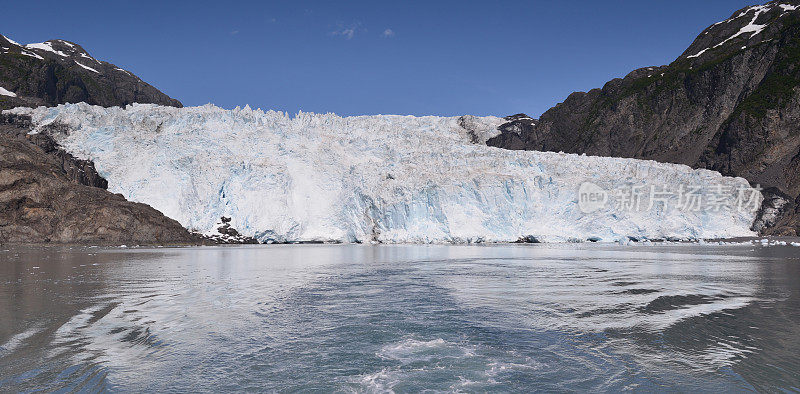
(381, 178)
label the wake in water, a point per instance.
(403, 318)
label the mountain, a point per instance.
(46, 194)
(382, 178)
(58, 71)
(730, 103)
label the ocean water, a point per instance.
(405, 318)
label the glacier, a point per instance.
(382, 178)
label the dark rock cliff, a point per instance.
(730, 103)
(58, 71)
(79, 171)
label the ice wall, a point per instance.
(321, 177)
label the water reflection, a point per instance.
(407, 318)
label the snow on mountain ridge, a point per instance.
(10, 40)
(46, 46)
(61, 48)
(752, 28)
(385, 178)
(6, 92)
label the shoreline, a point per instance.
(736, 241)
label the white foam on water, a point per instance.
(17, 340)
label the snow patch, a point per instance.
(751, 27)
(10, 40)
(698, 53)
(125, 71)
(4, 92)
(88, 68)
(46, 46)
(31, 54)
(85, 56)
(383, 178)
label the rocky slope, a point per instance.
(46, 194)
(730, 102)
(58, 71)
(43, 200)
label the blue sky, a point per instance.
(371, 57)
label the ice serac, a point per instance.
(321, 177)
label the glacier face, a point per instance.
(315, 177)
